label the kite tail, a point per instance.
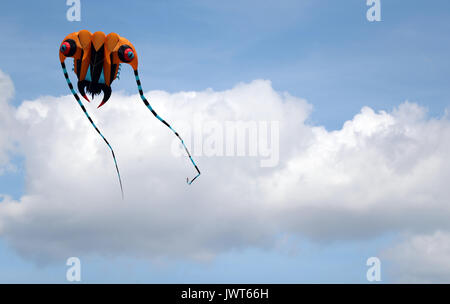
(147, 104)
(90, 119)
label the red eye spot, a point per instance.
(128, 54)
(65, 48)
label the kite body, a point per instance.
(97, 59)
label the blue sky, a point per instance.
(323, 51)
(318, 50)
(340, 262)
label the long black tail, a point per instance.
(147, 104)
(90, 119)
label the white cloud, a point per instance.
(423, 258)
(381, 172)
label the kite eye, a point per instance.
(126, 53)
(68, 48)
(129, 55)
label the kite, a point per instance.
(97, 60)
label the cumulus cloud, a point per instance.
(382, 172)
(72, 203)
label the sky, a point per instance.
(359, 111)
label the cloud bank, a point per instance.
(383, 172)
